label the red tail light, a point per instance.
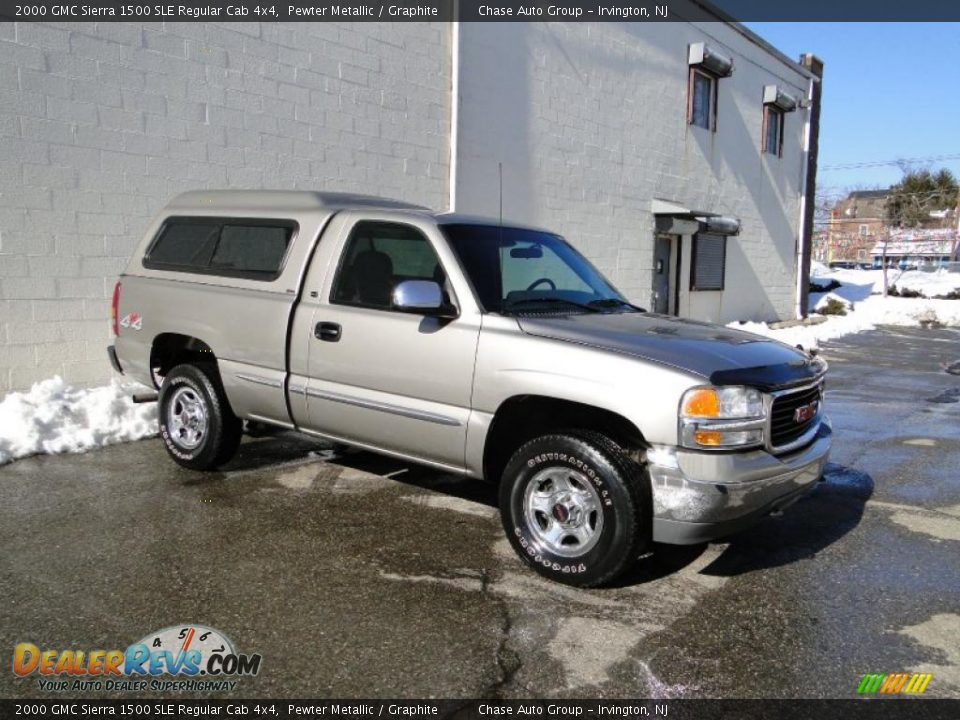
(115, 309)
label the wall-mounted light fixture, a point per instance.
(773, 95)
(721, 224)
(703, 56)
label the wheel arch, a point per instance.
(171, 349)
(520, 418)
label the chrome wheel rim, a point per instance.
(563, 511)
(187, 418)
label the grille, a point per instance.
(784, 428)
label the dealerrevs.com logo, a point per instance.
(180, 657)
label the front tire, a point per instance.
(575, 508)
(197, 426)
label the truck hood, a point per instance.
(720, 354)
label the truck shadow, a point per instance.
(828, 513)
(814, 523)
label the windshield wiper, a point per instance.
(614, 302)
(535, 301)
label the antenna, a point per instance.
(500, 171)
(500, 226)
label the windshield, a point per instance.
(515, 270)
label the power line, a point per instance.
(882, 163)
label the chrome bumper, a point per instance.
(700, 496)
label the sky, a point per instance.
(890, 91)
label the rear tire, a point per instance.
(197, 426)
(575, 508)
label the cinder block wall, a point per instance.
(101, 123)
(590, 126)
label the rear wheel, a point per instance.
(197, 425)
(575, 508)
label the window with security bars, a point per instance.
(708, 263)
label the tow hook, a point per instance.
(144, 398)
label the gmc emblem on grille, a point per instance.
(805, 412)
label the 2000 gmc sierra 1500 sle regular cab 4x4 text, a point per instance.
(492, 351)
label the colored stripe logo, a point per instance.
(894, 683)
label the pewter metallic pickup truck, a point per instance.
(491, 351)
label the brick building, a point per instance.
(671, 154)
(856, 223)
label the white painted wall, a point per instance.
(102, 123)
(590, 123)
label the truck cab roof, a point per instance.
(274, 201)
(289, 200)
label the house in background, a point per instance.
(859, 230)
(856, 222)
(923, 248)
(674, 155)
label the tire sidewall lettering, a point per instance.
(528, 545)
(538, 558)
(568, 459)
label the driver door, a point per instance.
(391, 380)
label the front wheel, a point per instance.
(575, 508)
(197, 425)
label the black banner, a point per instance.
(628, 709)
(479, 11)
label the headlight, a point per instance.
(722, 417)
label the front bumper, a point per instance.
(700, 496)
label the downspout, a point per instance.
(799, 307)
(454, 111)
(811, 146)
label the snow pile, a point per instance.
(938, 283)
(931, 284)
(860, 294)
(818, 268)
(54, 417)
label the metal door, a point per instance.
(661, 274)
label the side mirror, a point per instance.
(421, 297)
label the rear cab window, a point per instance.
(246, 248)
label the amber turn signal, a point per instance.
(708, 437)
(702, 402)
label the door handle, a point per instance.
(327, 331)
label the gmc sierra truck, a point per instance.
(489, 350)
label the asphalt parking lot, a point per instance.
(354, 575)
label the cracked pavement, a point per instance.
(355, 575)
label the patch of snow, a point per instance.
(862, 283)
(54, 417)
(866, 315)
(861, 294)
(938, 283)
(818, 268)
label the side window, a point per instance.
(250, 248)
(376, 258)
(772, 131)
(228, 247)
(702, 109)
(184, 245)
(709, 263)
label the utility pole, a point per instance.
(954, 255)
